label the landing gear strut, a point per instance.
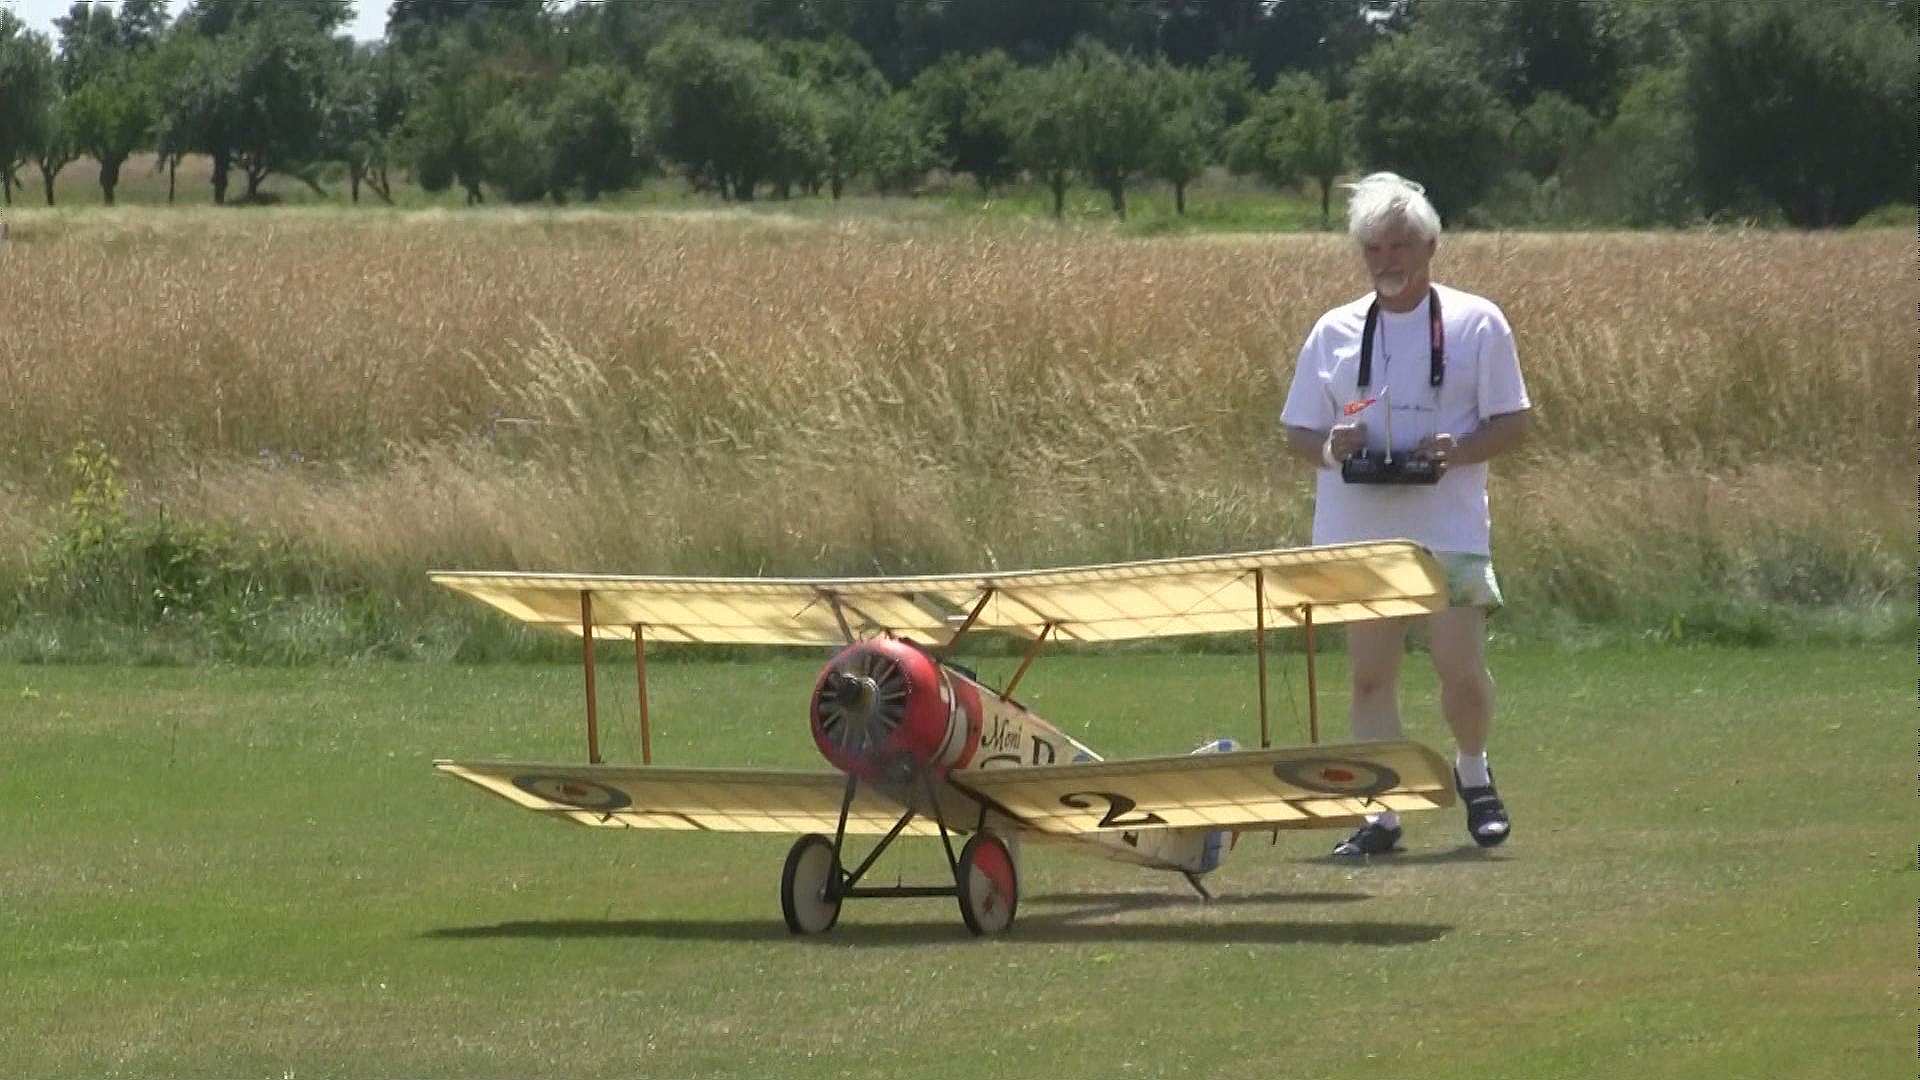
(815, 881)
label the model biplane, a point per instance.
(920, 746)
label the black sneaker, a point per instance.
(1487, 820)
(1372, 838)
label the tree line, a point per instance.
(1627, 112)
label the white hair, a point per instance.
(1384, 197)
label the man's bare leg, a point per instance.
(1374, 649)
(1457, 638)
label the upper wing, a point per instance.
(1301, 787)
(716, 800)
(1157, 598)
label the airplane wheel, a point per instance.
(989, 885)
(804, 900)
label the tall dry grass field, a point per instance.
(1719, 416)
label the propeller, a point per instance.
(862, 701)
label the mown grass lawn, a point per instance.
(254, 872)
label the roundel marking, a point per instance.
(568, 791)
(1338, 776)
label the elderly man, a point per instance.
(1436, 368)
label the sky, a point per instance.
(369, 16)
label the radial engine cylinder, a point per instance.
(884, 709)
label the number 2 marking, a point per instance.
(1118, 806)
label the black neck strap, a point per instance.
(1437, 334)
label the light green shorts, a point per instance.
(1470, 580)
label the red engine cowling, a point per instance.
(886, 710)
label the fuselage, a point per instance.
(889, 712)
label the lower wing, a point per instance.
(1302, 787)
(711, 800)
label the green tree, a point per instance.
(1806, 107)
(142, 25)
(1654, 34)
(442, 131)
(727, 115)
(108, 74)
(1038, 107)
(216, 18)
(203, 98)
(517, 152)
(365, 106)
(801, 154)
(1119, 120)
(847, 89)
(1524, 48)
(847, 122)
(89, 37)
(597, 131)
(417, 25)
(899, 150)
(1638, 170)
(1231, 91)
(1028, 31)
(27, 88)
(836, 61)
(277, 114)
(56, 149)
(958, 97)
(620, 34)
(1422, 110)
(250, 90)
(1189, 128)
(1549, 131)
(901, 38)
(1268, 37)
(1294, 133)
(110, 116)
(173, 70)
(1567, 47)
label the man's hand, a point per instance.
(1346, 440)
(1437, 448)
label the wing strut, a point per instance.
(640, 670)
(1027, 661)
(586, 657)
(839, 616)
(972, 617)
(1260, 647)
(1313, 687)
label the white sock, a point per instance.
(1388, 820)
(1472, 769)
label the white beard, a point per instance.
(1390, 287)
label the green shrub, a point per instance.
(155, 570)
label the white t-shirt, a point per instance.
(1482, 380)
